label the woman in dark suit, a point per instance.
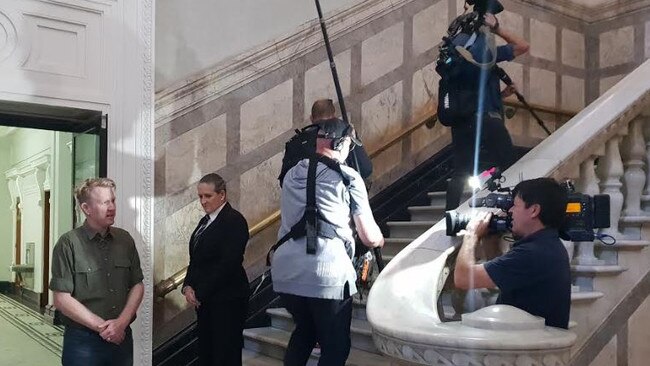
(216, 283)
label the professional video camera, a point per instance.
(584, 213)
(472, 21)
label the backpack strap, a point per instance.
(312, 224)
(311, 210)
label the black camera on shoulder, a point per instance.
(583, 213)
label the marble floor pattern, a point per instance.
(25, 338)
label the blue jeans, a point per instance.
(83, 347)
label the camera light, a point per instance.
(477, 182)
(474, 182)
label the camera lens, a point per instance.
(455, 222)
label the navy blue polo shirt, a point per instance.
(481, 53)
(535, 276)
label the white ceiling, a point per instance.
(591, 10)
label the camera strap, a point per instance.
(491, 43)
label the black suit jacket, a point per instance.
(216, 269)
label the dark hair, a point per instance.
(322, 109)
(548, 194)
(215, 179)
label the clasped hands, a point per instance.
(112, 330)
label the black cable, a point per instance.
(501, 73)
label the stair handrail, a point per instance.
(403, 312)
(172, 282)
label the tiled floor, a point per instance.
(25, 339)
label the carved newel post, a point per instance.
(588, 184)
(610, 171)
(633, 154)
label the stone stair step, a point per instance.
(408, 229)
(596, 270)
(392, 246)
(624, 244)
(360, 330)
(585, 296)
(427, 213)
(634, 220)
(250, 358)
(273, 343)
(437, 198)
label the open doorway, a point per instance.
(44, 151)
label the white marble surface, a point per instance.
(429, 25)
(266, 116)
(573, 93)
(382, 53)
(319, 84)
(542, 40)
(260, 191)
(381, 116)
(647, 39)
(573, 48)
(425, 88)
(616, 46)
(542, 87)
(192, 154)
(608, 82)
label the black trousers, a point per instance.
(220, 324)
(494, 136)
(319, 320)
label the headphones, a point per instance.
(337, 143)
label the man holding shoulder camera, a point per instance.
(534, 275)
(486, 117)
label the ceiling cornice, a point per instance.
(602, 11)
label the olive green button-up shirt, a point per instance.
(97, 270)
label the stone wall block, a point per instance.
(260, 190)
(607, 83)
(382, 117)
(266, 116)
(429, 25)
(573, 48)
(195, 153)
(617, 47)
(542, 87)
(573, 93)
(319, 83)
(542, 40)
(425, 90)
(382, 53)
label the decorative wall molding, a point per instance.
(145, 147)
(29, 177)
(600, 11)
(233, 73)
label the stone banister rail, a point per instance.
(402, 305)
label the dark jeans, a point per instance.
(83, 347)
(319, 320)
(494, 136)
